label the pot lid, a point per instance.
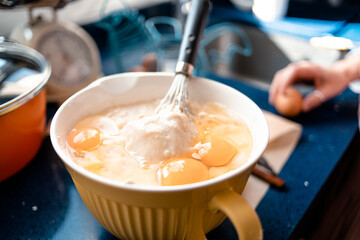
(23, 74)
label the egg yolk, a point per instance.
(181, 171)
(84, 139)
(215, 153)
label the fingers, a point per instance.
(280, 81)
(294, 72)
(313, 100)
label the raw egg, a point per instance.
(179, 171)
(84, 139)
(105, 124)
(289, 103)
(215, 153)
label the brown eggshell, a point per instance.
(289, 103)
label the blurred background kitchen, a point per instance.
(245, 43)
(248, 40)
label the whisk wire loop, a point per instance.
(176, 96)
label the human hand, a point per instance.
(328, 82)
(148, 64)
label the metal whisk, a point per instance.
(195, 23)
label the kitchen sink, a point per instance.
(246, 53)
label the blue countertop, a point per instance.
(41, 202)
(327, 132)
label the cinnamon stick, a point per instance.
(268, 177)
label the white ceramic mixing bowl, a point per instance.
(162, 212)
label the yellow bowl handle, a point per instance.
(240, 212)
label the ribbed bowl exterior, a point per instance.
(131, 222)
(186, 215)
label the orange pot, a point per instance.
(23, 115)
(21, 134)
